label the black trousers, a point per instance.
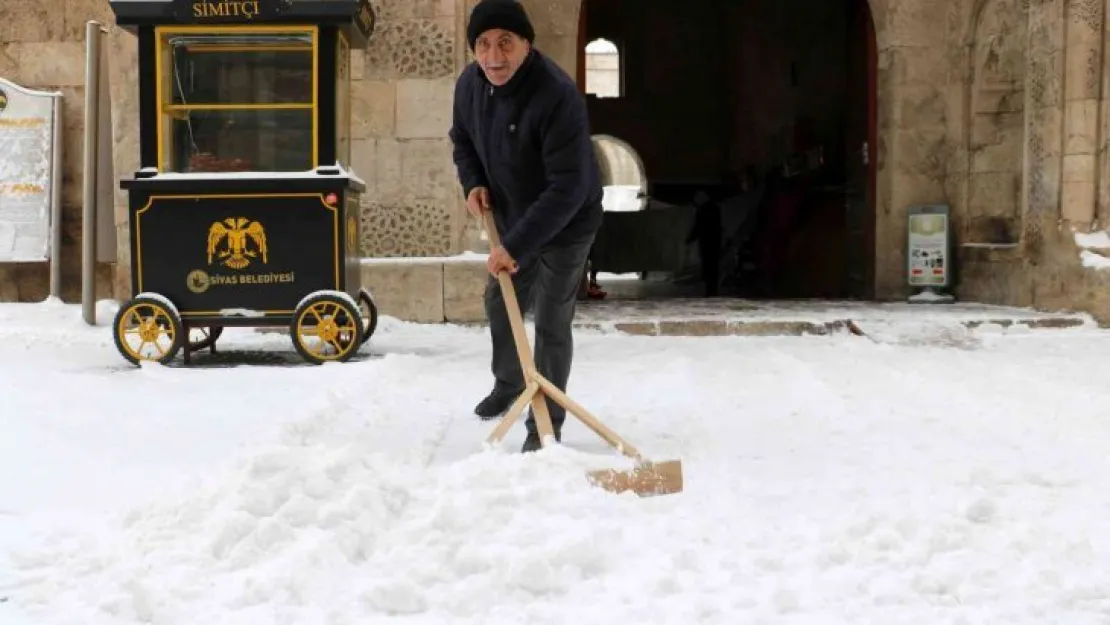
(547, 285)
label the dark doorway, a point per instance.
(754, 121)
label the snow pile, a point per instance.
(828, 480)
(927, 333)
(324, 527)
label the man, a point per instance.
(522, 151)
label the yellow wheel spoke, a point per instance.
(147, 323)
(332, 336)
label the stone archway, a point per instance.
(559, 21)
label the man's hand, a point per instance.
(478, 201)
(500, 260)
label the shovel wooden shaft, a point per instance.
(508, 293)
(523, 349)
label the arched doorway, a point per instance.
(755, 124)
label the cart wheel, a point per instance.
(326, 328)
(369, 314)
(148, 329)
(208, 339)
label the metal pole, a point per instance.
(56, 203)
(88, 225)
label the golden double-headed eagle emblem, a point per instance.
(238, 233)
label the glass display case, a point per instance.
(242, 100)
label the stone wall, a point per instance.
(992, 106)
(402, 92)
(1064, 190)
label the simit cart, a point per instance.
(245, 211)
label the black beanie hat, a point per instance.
(505, 14)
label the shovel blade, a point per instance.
(648, 480)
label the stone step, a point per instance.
(449, 290)
(736, 317)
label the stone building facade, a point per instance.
(994, 107)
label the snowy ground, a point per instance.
(943, 477)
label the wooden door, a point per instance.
(860, 145)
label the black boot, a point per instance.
(496, 403)
(532, 442)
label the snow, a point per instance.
(241, 312)
(334, 171)
(622, 198)
(1094, 260)
(1099, 240)
(464, 257)
(161, 299)
(346, 297)
(7, 84)
(916, 477)
(930, 296)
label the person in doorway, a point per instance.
(522, 150)
(707, 232)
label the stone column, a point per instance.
(123, 77)
(913, 147)
(1082, 80)
(1103, 143)
(556, 24)
(1044, 98)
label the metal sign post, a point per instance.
(929, 254)
(97, 226)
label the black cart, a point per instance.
(245, 211)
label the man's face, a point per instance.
(500, 53)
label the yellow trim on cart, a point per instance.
(237, 107)
(217, 47)
(161, 107)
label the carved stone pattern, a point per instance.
(1038, 81)
(401, 9)
(418, 228)
(1091, 76)
(1033, 238)
(414, 48)
(1086, 12)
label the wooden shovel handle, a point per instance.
(523, 349)
(508, 293)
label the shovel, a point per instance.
(646, 479)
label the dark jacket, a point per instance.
(528, 142)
